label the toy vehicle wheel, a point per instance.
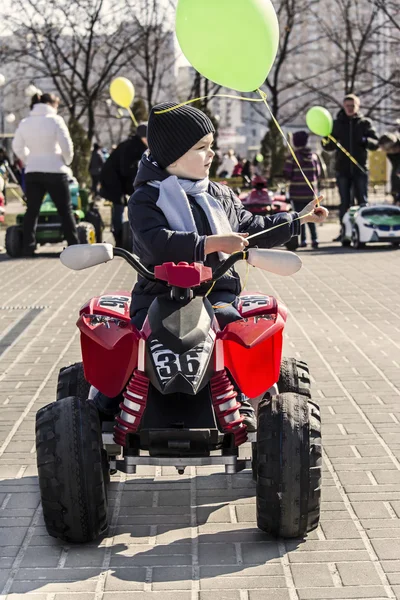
(71, 470)
(293, 243)
(72, 382)
(355, 238)
(294, 377)
(288, 465)
(86, 233)
(126, 237)
(13, 241)
(254, 460)
(344, 240)
(93, 216)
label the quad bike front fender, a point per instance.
(253, 351)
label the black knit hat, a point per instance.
(170, 135)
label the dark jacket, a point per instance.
(96, 162)
(357, 135)
(299, 190)
(119, 170)
(155, 243)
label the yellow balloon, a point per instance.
(122, 91)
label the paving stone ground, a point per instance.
(194, 537)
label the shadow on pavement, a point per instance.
(153, 529)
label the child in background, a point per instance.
(299, 192)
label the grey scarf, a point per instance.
(174, 203)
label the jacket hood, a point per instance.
(149, 170)
(41, 110)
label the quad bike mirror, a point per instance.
(83, 256)
(280, 262)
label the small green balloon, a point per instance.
(211, 34)
(259, 157)
(319, 121)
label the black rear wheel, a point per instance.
(294, 377)
(72, 382)
(13, 241)
(86, 233)
(344, 240)
(288, 465)
(71, 470)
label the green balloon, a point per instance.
(319, 121)
(259, 157)
(231, 42)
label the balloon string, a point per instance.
(353, 160)
(264, 99)
(264, 231)
(132, 116)
(161, 112)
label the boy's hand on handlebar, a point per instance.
(313, 212)
(229, 243)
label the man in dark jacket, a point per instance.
(95, 166)
(118, 174)
(357, 135)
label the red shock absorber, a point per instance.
(226, 407)
(132, 408)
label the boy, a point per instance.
(177, 214)
(299, 192)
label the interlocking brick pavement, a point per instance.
(194, 537)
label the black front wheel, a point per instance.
(355, 238)
(289, 465)
(71, 470)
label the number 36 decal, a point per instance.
(168, 364)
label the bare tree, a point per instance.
(155, 58)
(78, 45)
(361, 55)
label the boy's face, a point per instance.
(196, 163)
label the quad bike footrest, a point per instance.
(233, 464)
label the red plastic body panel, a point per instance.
(183, 275)
(110, 352)
(116, 304)
(253, 347)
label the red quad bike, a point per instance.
(178, 401)
(261, 201)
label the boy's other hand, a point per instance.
(312, 213)
(230, 243)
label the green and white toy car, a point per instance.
(370, 224)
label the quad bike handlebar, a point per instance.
(83, 256)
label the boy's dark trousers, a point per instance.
(298, 206)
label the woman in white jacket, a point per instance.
(43, 143)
